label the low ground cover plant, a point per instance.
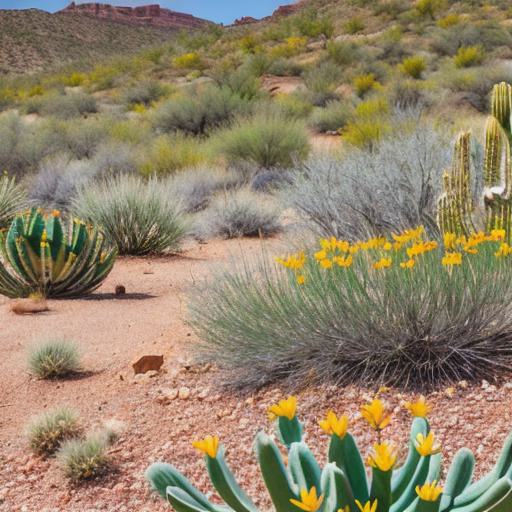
(405, 310)
(141, 217)
(297, 481)
(54, 359)
(43, 254)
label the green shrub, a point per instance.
(190, 60)
(354, 25)
(241, 212)
(342, 53)
(199, 111)
(413, 66)
(83, 459)
(294, 105)
(322, 81)
(54, 359)
(308, 23)
(244, 81)
(12, 199)
(75, 79)
(170, 153)
(406, 315)
(450, 20)
(430, 8)
(468, 56)
(333, 117)
(144, 93)
(67, 106)
(44, 255)
(47, 432)
(363, 84)
(267, 140)
(139, 216)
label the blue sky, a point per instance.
(224, 11)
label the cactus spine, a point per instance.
(456, 206)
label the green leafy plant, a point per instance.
(47, 432)
(413, 66)
(54, 359)
(363, 84)
(298, 482)
(42, 254)
(468, 56)
(354, 25)
(141, 217)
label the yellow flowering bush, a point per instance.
(402, 310)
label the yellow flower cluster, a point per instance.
(334, 252)
(296, 263)
(383, 457)
(429, 492)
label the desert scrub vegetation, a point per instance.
(83, 459)
(333, 117)
(413, 66)
(372, 193)
(47, 432)
(64, 106)
(197, 112)
(12, 199)
(242, 212)
(409, 311)
(266, 140)
(294, 479)
(54, 359)
(144, 93)
(468, 56)
(141, 217)
(46, 255)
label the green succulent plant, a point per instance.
(457, 206)
(41, 254)
(342, 485)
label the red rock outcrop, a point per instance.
(144, 15)
(281, 11)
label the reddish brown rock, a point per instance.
(28, 306)
(148, 363)
(144, 15)
(283, 10)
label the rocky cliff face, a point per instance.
(152, 15)
(283, 10)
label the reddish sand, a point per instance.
(112, 332)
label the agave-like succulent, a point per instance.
(42, 254)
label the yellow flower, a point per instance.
(408, 235)
(421, 248)
(452, 258)
(375, 414)
(429, 492)
(55, 213)
(426, 445)
(408, 264)
(209, 445)
(301, 279)
(342, 245)
(285, 408)
(367, 507)
(383, 456)
(320, 255)
(326, 263)
(420, 408)
(294, 261)
(328, 244)
(497, 235)
(387, 246)
(344, 509)
(343, 262)
(382, 263)
(309, 501)
(449, 240)
(504, 250)
(334, 425)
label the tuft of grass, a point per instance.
(82, 459)
(333, 117)
(266, 140)
(468, 56)
(139, 216)
(413, 66)
(363, 84)
(53, 359)
(242, 212)
(430, 8)
(47, 432)
(354, 25)
(12, 199)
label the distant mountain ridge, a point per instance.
(144, 15)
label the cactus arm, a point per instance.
(162, 475)
(409, 494)
(289, 431)
(403, 474)
(497, 498)
(304, 468)
(336, 489)
(381, 489)
(226, 485)
(503, 465)
(501, 104)
(182, 501)
(275, 474)
(419, 505)
(345, 453)
(458, 477)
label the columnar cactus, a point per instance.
(342, 485)
(41, 254)
(456, 206)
